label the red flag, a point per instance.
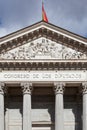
(44, 16)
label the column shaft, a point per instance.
(59, 116)
(1, 111)
(27, 122)
(2, 106)
(59, 112)
(27, 112)
(85, 112)
(84, 88)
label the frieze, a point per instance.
(40, 76)
(43, 49)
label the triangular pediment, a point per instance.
(43, 41)
(43, 48)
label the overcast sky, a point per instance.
(68, 14)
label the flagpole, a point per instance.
(42, 2)
(42, 11)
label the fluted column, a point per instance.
(84, 90)
(27, 122)
(2, 90)
(59, 116)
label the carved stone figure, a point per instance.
(43, 48)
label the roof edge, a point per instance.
(50, 25)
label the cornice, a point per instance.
(44, 65)
(66, 32)
(43, 32)
(43, 23)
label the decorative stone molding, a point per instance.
(84, 88)
(43, 64)
(59, 88)
(2, 88)
(27, 88)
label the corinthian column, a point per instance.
(27, 122)
(2, 88)
(59, 116)
(84, 90)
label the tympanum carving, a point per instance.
(43, 48)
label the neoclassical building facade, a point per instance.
(43, 79)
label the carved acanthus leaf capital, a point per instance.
(2, 88)
(59, 87)
(27, 88)
(84, 88)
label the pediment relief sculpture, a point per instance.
(43, 49)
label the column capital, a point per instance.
(59, 87)
(26, 87)
(2, 88)
(84, 88)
